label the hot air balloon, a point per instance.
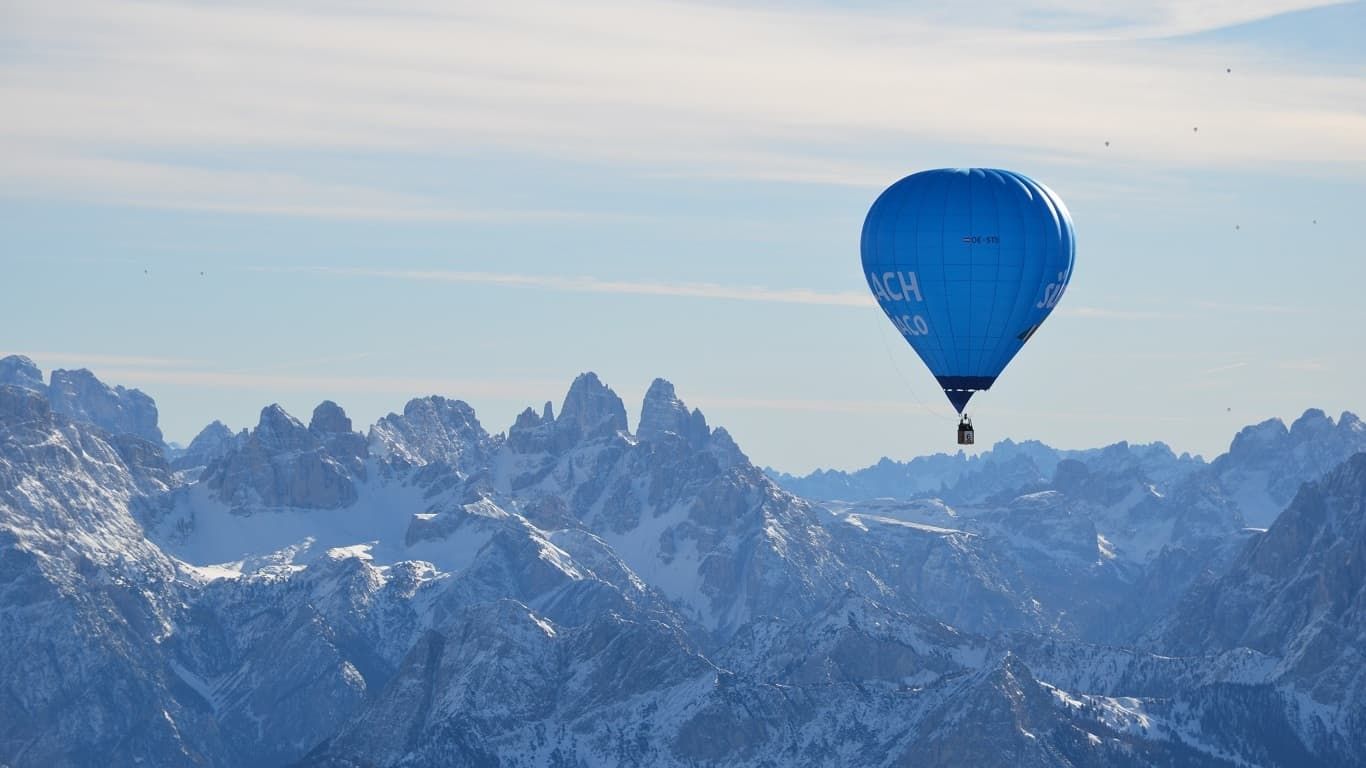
(967, 263)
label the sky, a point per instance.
(232, 204)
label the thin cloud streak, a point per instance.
(811, 405)
(1117, 21)
(39, 169)
(1260, 309)
(1112, 314)
(1307, 366)
(694, 290)
(529, 390)
(307, 363)
(583, 284)
(84, 360)
(524, 389)
(1223, 368)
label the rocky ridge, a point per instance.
(575, 593)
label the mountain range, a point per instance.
(572, 592)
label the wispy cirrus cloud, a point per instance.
(669, 88)
(1224, 368)
(146, 372)
(585, 284)
(1112, 313)
(1259, 309)
(1307, 366)
(813, 405)
(1127, 20)
(83, 359)
(272, 382)
(79, 174)
(195, 373)
(692, 290)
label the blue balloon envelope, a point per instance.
(967, 263)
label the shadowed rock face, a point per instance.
(1304, 578)
(663, 413)
(283, 464)
(18, 404)
(19, 371)
(1298, 594)
(331, 426)
(329, 419)
(82, 397)
(591, 409)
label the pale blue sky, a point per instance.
(481, 201)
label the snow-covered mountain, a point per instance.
(83, 398)
(1298, 594)
(1007, 467)
(1260, 473)
(571, 592)
(1267, 462)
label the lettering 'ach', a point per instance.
(967, 263)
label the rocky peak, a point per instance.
(591, 408)
(527, 419)
(82, 397)
(282, 464)
(431, 429)
(532, 433)
(213, 442)
(663, 413)
(19, 371)
(1313, 422)
(1267, 463)
(278, 430)
(1258, 437)
(1348, 422)
(697, 426)
(332, 426)
(329, 419)
(216, 433)
(725, 448)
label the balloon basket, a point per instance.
(965, 434)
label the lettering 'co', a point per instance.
(911, 326)
(899, 286)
